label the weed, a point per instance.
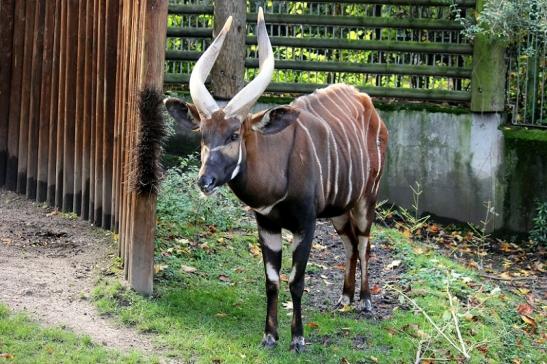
(412, 222)
(538, 233)
(481, 236)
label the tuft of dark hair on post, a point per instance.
(150, 138)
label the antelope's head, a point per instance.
(222, 132)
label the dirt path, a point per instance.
(47, 268)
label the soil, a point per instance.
(48, 265)
(325, 276)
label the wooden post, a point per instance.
(144, 215)
(489, 71)
(6, 42)
(87, 117)
(229, 70)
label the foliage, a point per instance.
(539, 230)
(509, 20)
(180, 200)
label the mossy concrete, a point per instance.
(457, 159)
(525, 161)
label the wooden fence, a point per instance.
(70, 76)
(388, 48)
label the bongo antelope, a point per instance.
(319, 157)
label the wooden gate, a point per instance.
(71, 73)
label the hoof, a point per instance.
(298, 344)
(342, 301)
(365, 305)
(269, 341)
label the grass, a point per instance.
(24, 341)
(209, 304)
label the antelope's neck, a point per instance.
(262, 179)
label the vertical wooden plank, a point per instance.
(25, 98)
(93, 112)
(117, 121)
(15, 94)
(88, 91)
(35, 91)
(45, 105)
(70, 105)
(61, 116)
(7, 10)
(111, 43)
(144, 215)
(54, 107)
(79, 108)
(99, 119)
(124, 127)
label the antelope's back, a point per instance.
(347, 140)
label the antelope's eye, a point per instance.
(234, 137)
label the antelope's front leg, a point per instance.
(301, 250)
(270, 242)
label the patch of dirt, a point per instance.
(325, 273)
(48, 264)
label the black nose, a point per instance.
(206, 183)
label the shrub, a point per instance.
(538, 233)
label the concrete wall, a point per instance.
(457, 159)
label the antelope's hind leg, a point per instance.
(344, 228)
(363, 216)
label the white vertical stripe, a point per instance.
(314, 150)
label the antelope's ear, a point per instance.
(185, 114)
(274, 120)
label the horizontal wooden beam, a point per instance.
(359, 21)
(371, 68)
(365, 45)
(189, 32)
(190, 9)
(369, 45)
(304, 88)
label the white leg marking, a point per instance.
(313, 149)
(272, 274)
(272, 241)
(293, 273)
(362, 249)
(296, 240)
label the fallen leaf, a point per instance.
(283, 277)
(376, 289)
(254, 250)
(529, 321)
(506, 276)
(224, 278)
(6, 241)
(319, 247)
(346, 308)
(407, 234)
(374, 359)
(188, 269)
(221, 314)
(344, 361)
(220, 241)
(312, 325)
(6, 356)
(159, 267)
(340, 266)
(525, 309)
(52, 213)
(287, 305)
(393, 264)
